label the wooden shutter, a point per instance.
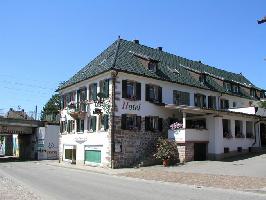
(124, 121)
(138, 91)
(78, 95)
(124, 88)
(160, 94)
(68, 126)
(147, 92)
(160, 124)
(94, 92)
(106, 122)
(147, 123)
(138, 121)
(196, 99)
(204, 101)
(82, 125)
(106, 87)
(93, 123)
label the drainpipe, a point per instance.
(113, 75)
(255, 135)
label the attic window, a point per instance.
(152, 66)
(202, 78)
(235, 88)
(227, 86)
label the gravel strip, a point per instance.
(208, 180)
(10, 190)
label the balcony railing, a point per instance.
(77, 110)
(184, 135)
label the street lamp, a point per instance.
(263, 20)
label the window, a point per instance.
(91, 123)
(212, 102)
(152, 66)
(153, 123)
(153, 93)
(181, 98)
(200, 100)
(249, 129)
(80, 125)
(131, 90)
(67, 98)
(234, 104)
(104, 87)
(235, 89)
(238, 129)
(70, 126)
(63, 125)
(227, 128)
(82, 95)
(227, 86)
(224, 104)
(202, 78)
(93, 92)
(196, 123)
(104, 122)
(252, 92)
(130, 122)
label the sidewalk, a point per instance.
(96, 169)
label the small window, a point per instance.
(212, 102)
(152, 66)
(224, 104)
(234, 104)
(235, 89)
(202, 78)
(104, 122)
(249, 129)
(238, 129)
(252, 92)
(70, 126)
(93, 92)
(131, 90)
(130, 122)
(200, 100)
(227, 128)
(63, 126)
(227, 86)
(181, 98)
(104, 87)
(153, 123)
(153, 93)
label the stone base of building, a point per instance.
(185, 152)
(230, 154)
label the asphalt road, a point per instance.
(52, 182)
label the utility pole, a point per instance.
(261, 21)
(36, 109)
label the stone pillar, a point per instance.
(232, 127)
(192, 99)
(184, 119)
(244, 127)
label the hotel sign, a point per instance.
(14, 130)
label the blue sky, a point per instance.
(45, 42)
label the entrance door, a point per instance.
(263, 134)
(93, 156)
(200, 151)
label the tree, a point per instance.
(51, 108)
(262, 104)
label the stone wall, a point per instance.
(186, 151)
(137, 145)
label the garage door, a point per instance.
(93, 156)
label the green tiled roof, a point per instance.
(125, 56)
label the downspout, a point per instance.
(113, 75)
(255, 135)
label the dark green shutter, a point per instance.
(147, 88)
(124, 88)
(82, 125)
(147, 123)
(68, 126)
(106, 87)
(78, 125)
(124, 121)
(160, 94)
(138, 125)
(196, 99)
(93, 123)
(204, 101)
(138, 91)
(160, 124)
(78, 96)
(94, 92)
(106, 122)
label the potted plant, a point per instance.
(166, 151)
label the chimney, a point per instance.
(136, 41)
(160, 48)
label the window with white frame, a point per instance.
(235, 88)
(131, 90)
(181, 98)
(153, 123)
(200, 100)
(227, 86)
(70, 126)
(80, 125)
(227, 128)
(238, 129)
(153, 93)
(130, 122)
(224, 104)
(212, 102)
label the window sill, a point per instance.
(132, 99)
(80, 132)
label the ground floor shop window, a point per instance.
(70, 154)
